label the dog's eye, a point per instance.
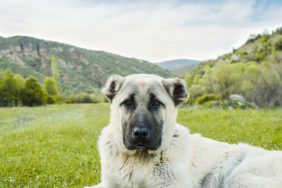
(156, 104)
(128, 103)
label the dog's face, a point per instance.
(143, 108)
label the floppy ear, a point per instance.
(112, 86)
(176, 88)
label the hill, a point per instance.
(254, 71)
(79, 69)
(179, 66)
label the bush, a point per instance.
(51, 100)
(278, 44)
(33, 94)
(206, 98)
(50, 86)
(85, 98)
(264, 38)
(229, 104)
(11, 86)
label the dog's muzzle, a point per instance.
(140, 134)
(141, 138)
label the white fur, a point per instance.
(184, 160)
(187, 161)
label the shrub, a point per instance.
(229, 104)
(264, 38)
(33, 94)
(50, 86)
(85, 98)
(278, 44)
(51, 100)
(207, 97)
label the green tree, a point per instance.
(50, 86)
(55, 72)
(263, 85)
(33, 94)
(19, 86)
(9, 91)
(11, 86)
(2, 95)
(278, 43)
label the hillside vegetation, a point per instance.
(179, 66)
(56, 146)
(79, 69)
(253, 71)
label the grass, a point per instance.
(55, 146)
(257, 127)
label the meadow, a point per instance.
(56, 145)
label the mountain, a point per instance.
(179, 66)
(253, 70)
(79, 69)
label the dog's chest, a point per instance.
(141, 173)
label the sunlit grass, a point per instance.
(51, 146)
(56, 146)
(257, 127)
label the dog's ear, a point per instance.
(176, 88)
(112, 86)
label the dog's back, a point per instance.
(220, 164)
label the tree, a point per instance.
(33, 94)
(2, 97)
(55, 71)
(19, 86)
(11, 86)
(8, 89)
(50, 86)
(278, 43)
(51, 89)
(263, 85)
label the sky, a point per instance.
(152, 30)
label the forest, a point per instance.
(253, 71)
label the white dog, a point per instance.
(144, 147)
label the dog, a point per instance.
(144, 147)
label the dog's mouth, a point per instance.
(141, 146)
(138, 147)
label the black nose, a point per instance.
(140, 134)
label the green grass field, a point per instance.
(55, 146)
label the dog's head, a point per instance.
(144, 109)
